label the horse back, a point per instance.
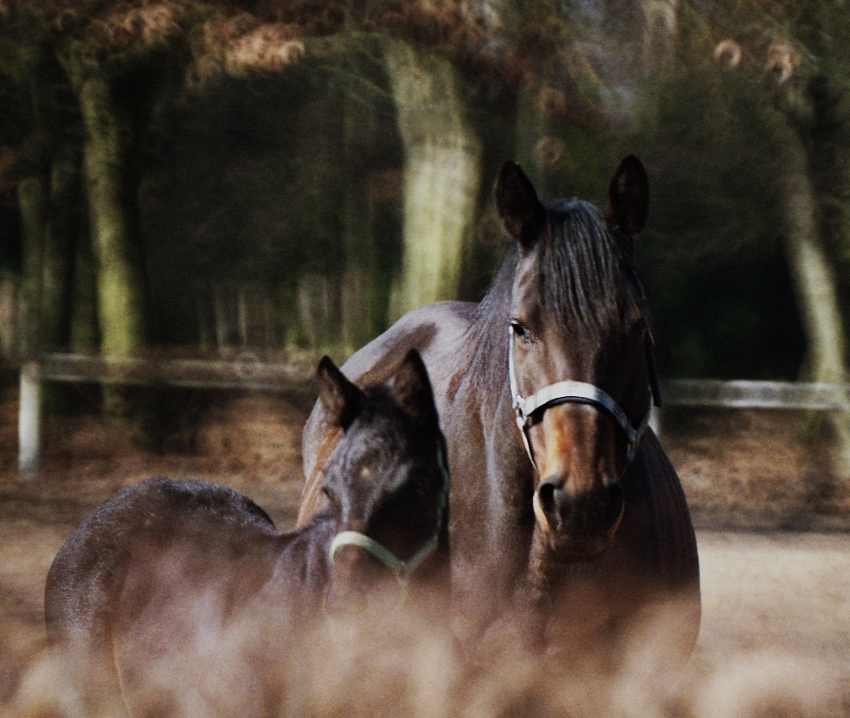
(127, 535)
(437, 331)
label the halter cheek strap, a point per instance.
(562, 392)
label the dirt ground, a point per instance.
(772, 516)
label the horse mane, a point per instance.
(587, 273)
(486, 335)
(588, 281)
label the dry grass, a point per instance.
(751, 470)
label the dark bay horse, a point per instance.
(565, 508)
(190, 598)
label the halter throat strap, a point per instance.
(577, 392)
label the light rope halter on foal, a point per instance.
(402, 570)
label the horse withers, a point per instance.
(187, 595)
(566, 511)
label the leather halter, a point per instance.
(402, 570)
(577, 392)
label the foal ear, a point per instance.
(521, 212)
(628, 197)
(341, 398)
(413, 392)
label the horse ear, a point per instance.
(413, 391)
(341, 398)
(628, 197)
(521, 212)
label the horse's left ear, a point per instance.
(628, 197)
(412, 389)
(342, 399)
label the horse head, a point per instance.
(580, 360)
(386, 481)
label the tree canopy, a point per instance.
(272, 164)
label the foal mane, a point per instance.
(588, 283)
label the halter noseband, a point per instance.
(577, 392)
(402, 570)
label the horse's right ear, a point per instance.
(413, 392)
(341, 398)
(521, 212)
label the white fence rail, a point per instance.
(245, 372)
(297, 376)
(756, 394)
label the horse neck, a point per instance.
(488, 335)
(302, 561)
(545, 574)
(508, 477)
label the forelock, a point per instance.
(586, 273)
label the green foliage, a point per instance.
(240, 164)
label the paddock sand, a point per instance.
(771, 518)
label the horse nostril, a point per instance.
(546, 494)
(549, 501)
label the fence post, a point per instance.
(29, 419)
(655, 422)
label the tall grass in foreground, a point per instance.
(387, 665)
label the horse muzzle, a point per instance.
(578, 523)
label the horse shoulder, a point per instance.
(662, 551)
(436, 330)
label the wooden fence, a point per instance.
(244, 372)
(296, 375)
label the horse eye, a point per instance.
(519, 330)
(328, 493)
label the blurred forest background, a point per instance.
(211, 176)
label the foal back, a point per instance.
(156, 519)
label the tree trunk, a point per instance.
(9, 303)
(442, 174)
(817, 291)
(33, 207)
(120, 296)
(359, 294)
(121, 305)
(84, 337)
(58, 244)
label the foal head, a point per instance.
(579, 341)
(386, 481)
